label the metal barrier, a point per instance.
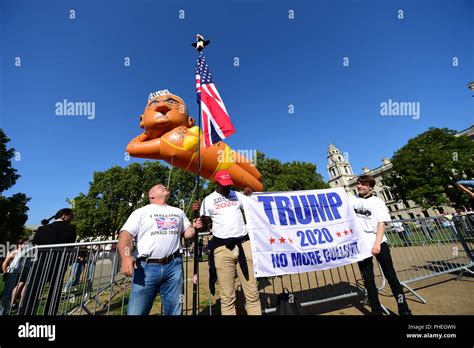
(424, 248)
(85, 278)
(309, 288)
(66, 279)
(464, 225)
(312, 288)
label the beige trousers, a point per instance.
(226, 266)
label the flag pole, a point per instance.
(196, 215)
(199, 45)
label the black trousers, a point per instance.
(404, 238)
(367, 269)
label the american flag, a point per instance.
(216, 124)
(166, 223)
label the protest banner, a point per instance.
(303, 231)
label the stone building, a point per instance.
(341, 175)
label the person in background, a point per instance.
(425, 227)
(11, 261)
(400, 229)
(50, 265)
(468, 190)
(76, 270)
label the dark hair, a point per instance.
(367, 179)
(64, 211)
(61, 212)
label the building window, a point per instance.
(425, 213)
(412, 216)
(395, 206)
(400, 217)
(389, 208)
(406, 204)
(347, 170)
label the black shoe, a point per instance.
(408, 312)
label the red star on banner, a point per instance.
(272, 240)
(338, 234)
(346, 232)
(282, 240)
(290, 240)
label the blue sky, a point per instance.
(282, 62)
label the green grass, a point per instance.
(419, 238)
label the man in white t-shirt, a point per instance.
(158, 268)
(400, 229)
(372, 214)
(229, 249)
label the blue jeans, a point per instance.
(153, 278)
(75, 275)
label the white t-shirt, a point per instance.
(158, 229)
(227, 218)
(15, 260)
(370, 211)
(397, 226)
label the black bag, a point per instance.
(288, 304)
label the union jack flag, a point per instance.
(216, 124)
(166, 223)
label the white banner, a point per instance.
(303, 231)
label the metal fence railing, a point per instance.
(79, 278)
(312, 288)
(85, 278)
(427, 247)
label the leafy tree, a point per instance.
(427, 167)
(116, 192)
(13, 210)
(8, 174)
(288, 176)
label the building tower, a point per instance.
(339, 169)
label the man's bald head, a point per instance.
(158, 194)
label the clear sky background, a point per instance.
(282, 62)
